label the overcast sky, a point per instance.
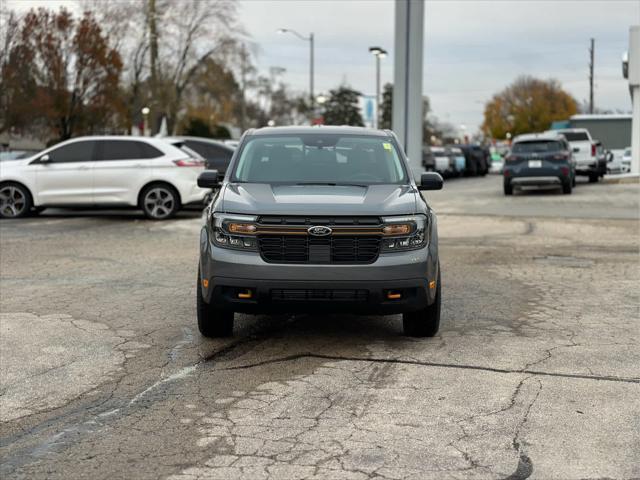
(472, 48)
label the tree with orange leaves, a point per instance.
(528, 105)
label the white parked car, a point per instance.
(141, 172)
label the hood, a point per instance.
(265, 199)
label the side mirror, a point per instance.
(209, 179)
(576, 150)
(430, 181)
(45, 159)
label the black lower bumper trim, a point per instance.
(282, 296)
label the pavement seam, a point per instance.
(300, 356)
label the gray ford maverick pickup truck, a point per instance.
(310, 219)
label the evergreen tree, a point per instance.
(386, 109)
(341, 108)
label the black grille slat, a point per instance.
(295, 249)
(319, 295)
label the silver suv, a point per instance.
(311, 219)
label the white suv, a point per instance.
(114, 171)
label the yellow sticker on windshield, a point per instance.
(387, 146)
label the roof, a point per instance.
(319, 129)
(182, 138)
(529, 137)
(601, 116)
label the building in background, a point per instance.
(613, 130)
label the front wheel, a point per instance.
(425, 322)
(566, 187)
(15, 201)
(593, 178)
(212, 322)
(508, 188)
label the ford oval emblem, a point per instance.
(319, 231)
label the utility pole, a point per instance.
(591, 49)
(153, 50)
(243, 73)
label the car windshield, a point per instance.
(538, 146)
(316, 158)
(576, 136)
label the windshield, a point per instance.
(575, 136)
(319, 159)
(538, 146)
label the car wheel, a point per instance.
(566, 187)
(15, 201)
(593, 178)
(212, 322)
(159, 201)
(425, 322)
(508, 188)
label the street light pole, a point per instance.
(311, 73)
(379, 53)
(311, 41)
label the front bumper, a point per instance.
(357, 288)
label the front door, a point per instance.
(66, 177)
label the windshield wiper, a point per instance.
(332, 184)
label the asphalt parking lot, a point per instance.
(534, 374)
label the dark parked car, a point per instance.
(477, 159)
(319, 218)
(216, 154)
(539, 159)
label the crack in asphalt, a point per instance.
(299, 356)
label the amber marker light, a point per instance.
(397, 229)
(246, 294)
(242, 228)
(205, 283)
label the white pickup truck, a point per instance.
(585, 153)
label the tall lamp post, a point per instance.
(379, 53)
(311, 53)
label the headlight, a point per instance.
(234, 231)
(404, 233)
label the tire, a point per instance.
(425, 322)
(212, 322)
(15, 200)
(593, 178)
(159, 201)
(508, 188)
(566, 187)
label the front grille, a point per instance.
(285, 239)
(304, 295)
(307, 249)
